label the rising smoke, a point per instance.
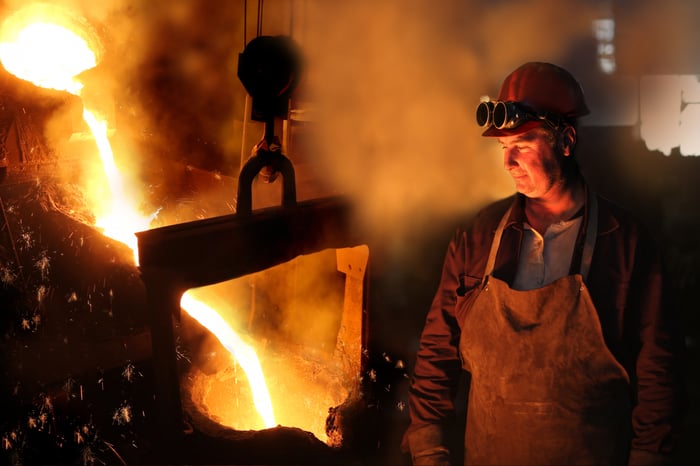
(393, 85)
(399, 82)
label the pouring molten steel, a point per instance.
(49, 47)
(38, 49)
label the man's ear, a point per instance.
(567, 140)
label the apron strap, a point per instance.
(589, 245)
(591, 234)
(496, 243)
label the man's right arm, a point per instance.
(437, 372)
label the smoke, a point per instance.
(397, 84)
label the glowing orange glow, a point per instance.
(51, 56)
(306, 316)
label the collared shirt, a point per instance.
(545, 258)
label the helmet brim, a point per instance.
(492, 131)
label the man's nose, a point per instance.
(509, 157)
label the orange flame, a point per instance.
(51, 56)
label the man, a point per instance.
(555, 302)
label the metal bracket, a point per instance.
(267, 154)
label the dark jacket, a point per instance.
(631, 294)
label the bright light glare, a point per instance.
(47, 55)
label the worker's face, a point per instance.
(532, 162)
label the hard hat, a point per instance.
(544, 89)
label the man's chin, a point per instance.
(524, 190)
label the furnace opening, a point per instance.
(295, 334)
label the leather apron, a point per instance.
(545, 389)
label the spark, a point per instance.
(6, 276)
(27, 240)
(129, 372)
(47, 403)
(42, 264)
(122, 415)
(40, 294)
(372, 375)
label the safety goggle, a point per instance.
(509, 115)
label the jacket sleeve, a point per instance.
(437, 370)
(659, 365)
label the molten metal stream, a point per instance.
(244, 354)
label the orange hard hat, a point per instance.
(544, 89)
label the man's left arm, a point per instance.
(659, 366)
